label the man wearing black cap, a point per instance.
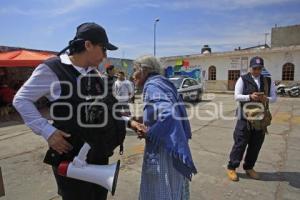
(71, 84)
(251, 87)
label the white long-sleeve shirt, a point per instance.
(238, 91)
(37, 86)
(123, 90)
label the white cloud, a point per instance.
(211, 4)
(70, 6)
(221, 4)
(236, 31)
(51, 8)
(243, 31)
(132, 51)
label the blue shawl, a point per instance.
(165, 127)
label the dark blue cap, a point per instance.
(256, 62)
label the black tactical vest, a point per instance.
(77, 112)
(250, 87)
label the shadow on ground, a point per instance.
(293, 178)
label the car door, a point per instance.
(188, 89)
(197, 86)
(193, 89)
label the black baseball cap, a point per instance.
(92, 32)
(256, 62)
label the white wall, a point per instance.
(273, 62)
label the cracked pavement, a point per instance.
(27, 178)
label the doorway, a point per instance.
(233, 76)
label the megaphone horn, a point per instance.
(104, 175)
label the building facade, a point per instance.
(124, 65)
(285, 36)
(220, 71)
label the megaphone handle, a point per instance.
(84, 151)
(80, 160)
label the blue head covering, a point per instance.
(166, 117)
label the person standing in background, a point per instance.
(252, 87)
(133, 89)
(6, 97)
(111, 78)
(122, 91)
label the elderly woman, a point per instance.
(168, 164)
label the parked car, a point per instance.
(189, 88)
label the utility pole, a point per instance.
(266, 38)
(155, 22)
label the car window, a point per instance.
(187, 82)
(194, 82)
(176, 82)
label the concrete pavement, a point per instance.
(27, 178)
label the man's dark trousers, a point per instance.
(245, 137)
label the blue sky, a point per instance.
(184, 26)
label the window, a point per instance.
(233, 75)
(194, 82)
(176, 81)
(187, 83)
(212, 72)
(288, 71)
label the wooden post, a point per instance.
(2, 193)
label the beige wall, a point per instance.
(274, 60)
(216, 85)
(285, 36)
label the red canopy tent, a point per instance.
(23, 58)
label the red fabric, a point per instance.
(7, 94)
(63, 168)
(186, 63)
(107, 64)
(23, 58)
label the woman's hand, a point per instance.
(139, 128)
(138, 119)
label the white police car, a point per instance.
(189, 88)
